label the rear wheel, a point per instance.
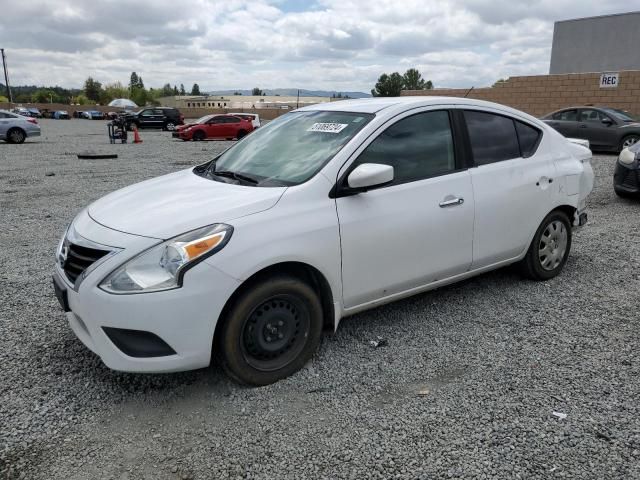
(16, 135)
(170, 126)
(549, 249)
(628, 141)
(199, 136)
(270, 332)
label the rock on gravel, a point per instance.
(465, 387)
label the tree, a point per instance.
(195, 90)
(140, 83)
(44, 96)
(112, 91)
(175, 90)
(166, 91)
(413, 81)
(388, 85)
(134, 80)
(237, 93)
(3, 99)
(256, 92)
(80, 100)
(182, 90)
(92, 89)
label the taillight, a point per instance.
(32, 120)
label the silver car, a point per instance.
(16, 128)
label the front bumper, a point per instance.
(626, 180)
(184, 319)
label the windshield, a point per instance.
(621, 114)
(293, 148)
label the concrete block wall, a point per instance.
(542, 94)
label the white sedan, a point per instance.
(325, 212)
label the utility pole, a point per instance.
(298, 100)
(6, 75)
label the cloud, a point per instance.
(331, 44)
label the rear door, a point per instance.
(417, 230)
(511, 184)
(597, 127)
(565, 122)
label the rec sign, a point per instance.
(609, 80)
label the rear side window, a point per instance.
(529, 138)
(493, 137)
(566, 115)
(417, 147)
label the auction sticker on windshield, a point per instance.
(327, 127)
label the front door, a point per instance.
(598, 128)
(415, 231)
(5, 119)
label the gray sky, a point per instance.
(325, 44)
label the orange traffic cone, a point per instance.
(136, 135)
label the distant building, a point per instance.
(239, 101)
(608, 43)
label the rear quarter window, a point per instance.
(529, 138)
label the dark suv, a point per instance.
(166, 118)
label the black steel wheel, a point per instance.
(199, 136)
(271, 330)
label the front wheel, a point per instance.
(198, 136)
(270, 332)
(549, 249)
(170, 126)
(241, 134)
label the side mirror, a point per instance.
(370, 175)
(607, 122)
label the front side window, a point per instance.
(493, 137)
(417, 147)
(591, 116)
(293, 148)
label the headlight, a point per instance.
(163, 266)
(627, 157)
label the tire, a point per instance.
(627, 141)
(16, 135)
(198, 136)
(270, 332)
(554, 233)
(170, 126)
(241, 134)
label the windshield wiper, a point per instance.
(235, 176)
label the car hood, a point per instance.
(633, 125)
(167, 206)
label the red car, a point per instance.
(215, 126)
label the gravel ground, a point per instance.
(465, 387)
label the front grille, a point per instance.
(79, 259)
(630, 180)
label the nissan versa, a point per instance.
(327, 211)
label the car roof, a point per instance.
(377, 104)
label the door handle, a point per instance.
(451, 202)
(582, 126)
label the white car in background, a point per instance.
(324, 212)
(16, 128)
(254, 117)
